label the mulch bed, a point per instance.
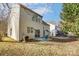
(63, 39)
(32, 40)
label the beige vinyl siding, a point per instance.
(13, 22)
(26, 20)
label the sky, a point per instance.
(49, 11)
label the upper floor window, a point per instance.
(36, 18)
(39, 19)
(33, 18)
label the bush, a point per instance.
(1, 35)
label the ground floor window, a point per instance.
(37, 33)
(43, 32)
(10, 31)
(29, 29)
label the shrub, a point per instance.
(1, 35)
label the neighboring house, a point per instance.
(53, 30)
(25, 22)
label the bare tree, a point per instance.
(5, 10)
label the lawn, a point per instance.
(39, 48)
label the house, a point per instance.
(25, 22)
(46, 29)
(53, 30)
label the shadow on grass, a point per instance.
(63, 40)
(45, 43)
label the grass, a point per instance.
(7, 39)
(39, 48)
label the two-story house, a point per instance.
(25, 22)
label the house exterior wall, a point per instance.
(46, 30)
(13, 22)
(27, 21)
(52, 30)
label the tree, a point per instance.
(70, 18)
(5, 10)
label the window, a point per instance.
(33, 18)
(28, 29)
(37, 33)
(10, 31)
(36, 18)
(39, 19)
(31, 30)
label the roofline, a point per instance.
(45, 23)
(33, 12)
(51, 23)
(29, 9)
